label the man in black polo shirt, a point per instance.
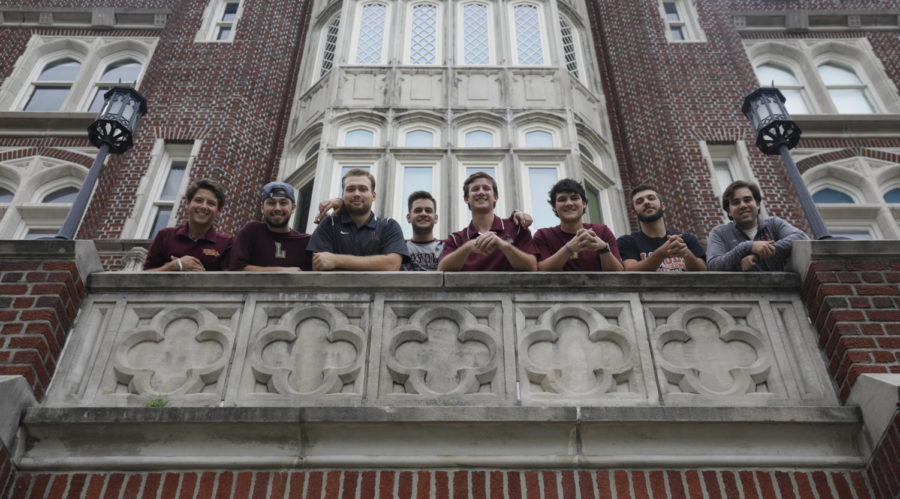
(355, 239)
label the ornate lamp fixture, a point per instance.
(776, 133)
(112, 131)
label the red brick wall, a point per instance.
(622, 484)
(38, 303)
(884, 470)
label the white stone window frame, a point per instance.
(496, 139)
(399, 206)
(463, 215)
(864, 180)
(542, 28)
(94, 53)
(212, 16)
(803, 56)
(147, 202)
(386, 40)
(439, 33)
(492, 34)
(687, 11)
(29, 184)
(402, 130)
(324, 30)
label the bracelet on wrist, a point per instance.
(178, 263)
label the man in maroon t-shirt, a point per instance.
(196, 245)
(489, 242)
(272, 245)
(573, 245)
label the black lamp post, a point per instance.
(776, 133)
(111, 132)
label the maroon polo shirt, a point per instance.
(496, 261)
(255, 244)
(549, 240)
(212, 249)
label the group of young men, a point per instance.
(352, 237)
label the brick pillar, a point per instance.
(41, 288)
(852, 291)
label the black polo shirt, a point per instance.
(378, 236)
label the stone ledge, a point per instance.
(306, 437)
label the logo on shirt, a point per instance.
(279, 251)
(670, 264)
(211, 252)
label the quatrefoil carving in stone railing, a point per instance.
(180, 352)
(574, 350)
(705, 351)
(310, 351)
(442, 351)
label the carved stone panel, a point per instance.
(714, 352)
(578, 351)
(307, 352)
(172, 353)
(436, 353)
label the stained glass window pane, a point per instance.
(173, 181)
(475, 34)
(330, 44)
(479, 138)
(359, 138)
(61, 70)
(831, 196)
(568, 39)
(528, 35)
(419, 138)
(371, 33)
(64, 195)
(538, 138)
(423, 40)
(541, 180)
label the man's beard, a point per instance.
(277, 225)
(352, 210)
(422, 230)
(651, 218)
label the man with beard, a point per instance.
(748, 242)
(489, 243)
(195, 246)
(424, 249)
(272, 245)
(573, 245)
(355, 239)
(654, 248)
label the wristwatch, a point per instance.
(604, 250)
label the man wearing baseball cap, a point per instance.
(272, 245)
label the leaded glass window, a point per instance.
(476, 38)
(529, 49)
(371, 33)
(568, 39)
(423, 36)
(328, 51)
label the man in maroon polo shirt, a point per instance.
(272, 246)
(489, 242)
(196, 245)
(573, 245)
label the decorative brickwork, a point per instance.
(622, 483)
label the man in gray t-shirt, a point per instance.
(424, 249)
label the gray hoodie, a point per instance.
(728, 244)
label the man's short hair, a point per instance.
(566, 185)
(475, 176)
(211, 187)
(358, 172)
(739, 184)
(644, 187)
(415, 196)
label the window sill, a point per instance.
(24, 123)
(848, 125)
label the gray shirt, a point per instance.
(423, 256)
(728, 244)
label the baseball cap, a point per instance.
(278, 190)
